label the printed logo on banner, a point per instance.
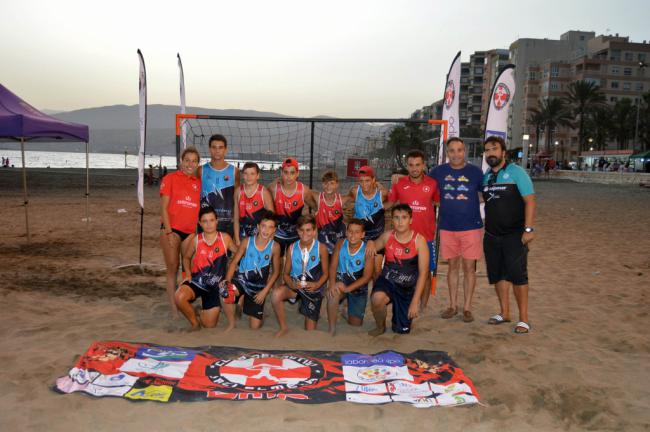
(450, 94)
(363, 369)
(163, 353)
(263, 372)
(489, 133)
(399, 387)
(373, 389)
(98, 390)
(501, 96)
(155, 393)
(116, 380)
(151, 366)
(367, 398)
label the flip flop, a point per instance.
(522, 325)
(497, 319)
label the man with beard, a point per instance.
(509, 219)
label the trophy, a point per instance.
(305, 261)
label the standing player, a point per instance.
(253, 270)
(218, 182)
(204, 257)
(289, 198)
(329, 216)
(304, 276)
(420, 192)
(370, 200)
(404, 274)
(350, 271)
(251, 199)
(180, 193)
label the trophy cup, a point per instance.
(305, 261)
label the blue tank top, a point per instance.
(313, 270)
(371, 211)
(218, 192)
(350, 266)
(254, 267)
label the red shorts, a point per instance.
(468, 244)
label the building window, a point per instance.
(641, 56)
(612, 99)
(614, 84)
(629, 56)
(627, 86)
(614, 70)
(639, 87)
(555, 86)
(627, 71)
(555, 71)
(478, 70)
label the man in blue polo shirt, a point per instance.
(509, 218)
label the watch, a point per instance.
(529, 229)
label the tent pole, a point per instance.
(25, 202)
(87, 188)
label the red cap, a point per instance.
(290, 162)
(366, 171)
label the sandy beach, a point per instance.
(584, 366)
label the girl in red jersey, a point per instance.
(180, 194)
(251, 198)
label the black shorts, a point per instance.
(310, 304)
(210, 297)
(401, 299)
(506, 258)
(181, 234)
(285, 243)
(250, 308)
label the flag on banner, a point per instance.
(183, 125)
(143, 128)
(450, 106)
(501, 97)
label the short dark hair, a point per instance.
(251, 165)
(188, 150)
(453, 139)
(218, 137)
(268, 215)
(306, 219)
(402, 207)
(329, 175)
(495, 139)
(206, 210)
(357, 221)
(415, 153)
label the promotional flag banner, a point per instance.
(450, 106)
(183, 125)
(501, 97)
(142, 371)
(143, 128)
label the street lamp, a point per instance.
(642, 66)
(524, 151)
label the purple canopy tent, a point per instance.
(19, 121)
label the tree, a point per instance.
(584, 97)
(536, 119)
(554, 113)
(623, 122)
(598, 125)
(403, 139)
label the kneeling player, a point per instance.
(403, 277)
(350, 272)
(205, 255)
(304, 276)
(259, 267)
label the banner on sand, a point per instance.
(140, 371)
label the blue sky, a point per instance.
(339, 58)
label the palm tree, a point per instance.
(622, 125)
(536, 119)
(598, 125)
(584, 96)
(554, 113)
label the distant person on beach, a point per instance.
(350, 272)
(254, 270)
(509, 220)
(304, 276)
(204, 264)
(251, 201)
(404, 275)
(180, 195)
(461, 227)
(329, 214)
(219, 179)
(164, 171)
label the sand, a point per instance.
(584, 366)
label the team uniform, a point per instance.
(310, 302)
(184, 194)
(250, 211)
(399, 278)
(218, 192)
(252, 275)
(421, 198)
(329, 220)
(371, 212)
(288, 209)
(505, 255)
(349, 269)
(208, 270)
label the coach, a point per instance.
(509, 219)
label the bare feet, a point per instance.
(333, 331)
(377, 331)
(228, 328)
(281, 332)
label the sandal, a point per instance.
(497, 319)
(522, 328)
(467, 316)
(448, 313)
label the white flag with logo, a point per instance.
(503, 93)
(183, 125)
(143, 128)
(450, 106)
